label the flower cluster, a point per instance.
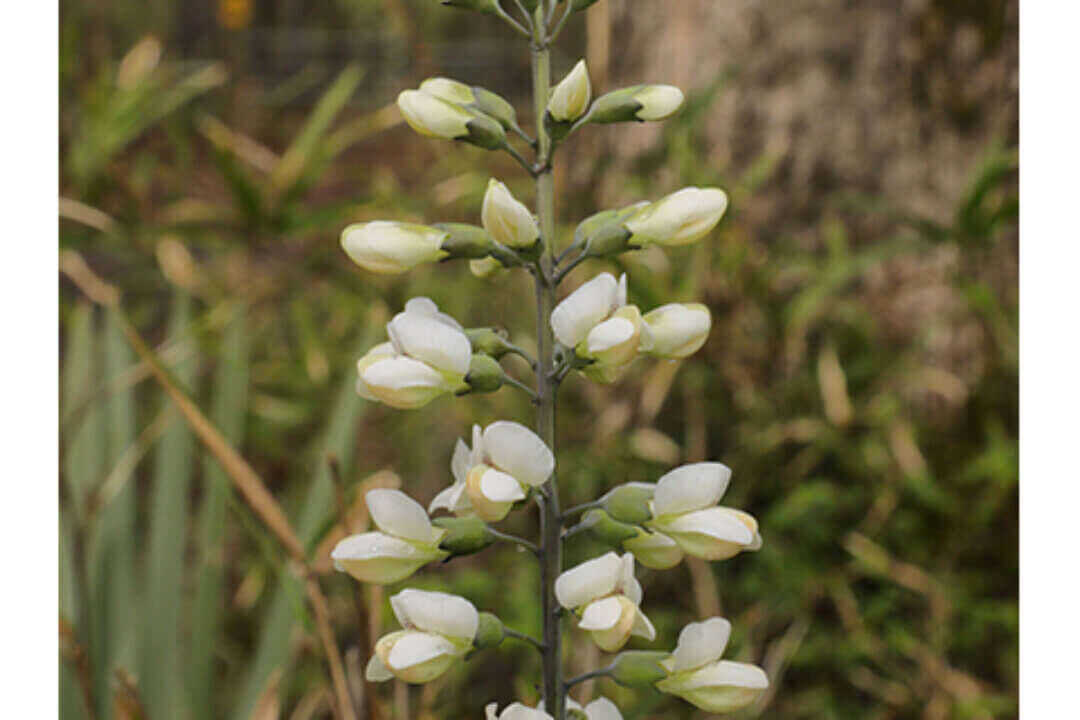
(595, 330)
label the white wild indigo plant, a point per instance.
(508, 467)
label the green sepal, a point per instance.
(489, 341)
(485, 132)
(464, 536)
(495, 106)
(612, 532)
(465, 241)
(617, 106)
(490, 632)
(638, 668)
(557, 129)
(629, 503)
(485, 374)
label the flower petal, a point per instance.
(721, 687)
(588, 581)
(461, 462)
(436, 612)
(628, 584)
(452, 498)
(431, 341)
(642, 627)
(701, 643)
(381, 559)
(654, 550)
(402, 382)
(601, 614)
(691, 487)
(395, 513)
(584, 308)
(500, 487)
(377, 671)
(518, 451)
(602, 709)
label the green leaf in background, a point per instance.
(280, 619)
(112, 553)
(229, 409)
(161, 662)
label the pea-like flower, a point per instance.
(599, 709)
(438, 630)
(681, 218)
(405, 541)
(605, 595)
(676, 330)
(600, 326)
(506, 459)
(428, 355)
(684, 509)
(698, 675)
(570, 98)
(391, 248)
(507, 219)
(517, 711)
(654, 550)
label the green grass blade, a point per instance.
(230, 394)
(112, 554)
(160, 678)
(274, 642)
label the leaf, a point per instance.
(160, 661)
(230, 393)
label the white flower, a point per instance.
(596, 321)
(517, 711)
(678, 219)
(571, 97)
(428, 355)
(449, 90)
(599, 709)
(506, 459)
(392, 247)
(405, 542)
(658, 102)
(698, 675)
(684, 509)
(654, 550)
(606, 596)
(506, 219)
(676, 330)
(433, 116)
(439, 630)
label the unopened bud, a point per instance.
(496, 106)
(638, 668)
(640, 103)
(604, 233)
(607, 530)
(464, 536)
(490, 632)
(570, 98)
(485, 267)
(488, 341)
(485, 374)
(507, 219)
(629, 503)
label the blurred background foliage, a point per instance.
(861, 378)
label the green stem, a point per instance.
(550, 524)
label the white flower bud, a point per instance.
(676, 331)
(685, 510)
(405, 542)
(658, 102)
(678, 219)
(449, 90)
(570, 98)
(390, 248)
(439, 630)
(605, 594)
(506, 219)
(433, 116)
(485, 267)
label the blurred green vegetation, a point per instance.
(861, 380)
